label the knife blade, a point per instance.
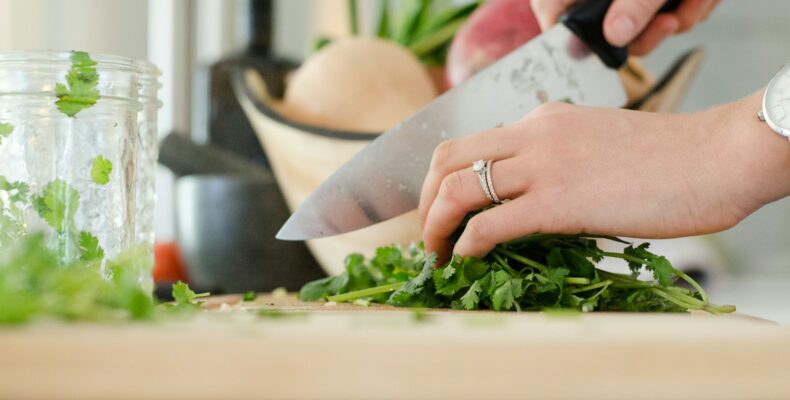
(571, 62)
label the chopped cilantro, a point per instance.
(186, 298)
(81, 88)
(6, 130)
(33, 283)
(57, 205)
(89, 247)
(278, 314)
(419, 315)
(101, 168)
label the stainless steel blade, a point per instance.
(384, 180)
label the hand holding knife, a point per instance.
(571, 62)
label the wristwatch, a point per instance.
(776, 103)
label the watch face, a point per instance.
(776, 103)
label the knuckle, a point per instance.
(685, 22)
(452, 187)
(546, 108)
(442, 155)
(478, 228)
(642, 10)
(550, 114)
(551, 108)
(689, 17)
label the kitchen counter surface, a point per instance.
(297, 350)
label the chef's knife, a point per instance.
(571, 62)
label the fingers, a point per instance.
(710, 9)
(500, 224)
(691, 12)
(626, 19)
(634, 21)
(548, 12)
(461, 193)
(457, 154)
(688, 14)
(659, 29)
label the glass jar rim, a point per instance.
(103, 61)
(149, 69)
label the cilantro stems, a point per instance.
(675, 271)
(369, 292)
(594, 286)
(577, 281)
(538, 272)
(524, 260)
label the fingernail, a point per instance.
(623, 30)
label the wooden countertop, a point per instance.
(314, 351)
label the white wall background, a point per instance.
(106, 26)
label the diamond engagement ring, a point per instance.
(483, 170)
(494, 198)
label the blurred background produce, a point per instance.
(199, 43)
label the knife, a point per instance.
(571, 62)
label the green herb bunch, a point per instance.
(34, 283)
(537, 272)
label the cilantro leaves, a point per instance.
(538, 272)
(90, 250)
(81, 88)
(186, 298)
(101, 168)
(6, 130)
(12, 222)
(34, 282)
(57, 205)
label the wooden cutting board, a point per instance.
(314, 351)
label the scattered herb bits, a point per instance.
(186, 298)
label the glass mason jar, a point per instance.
(147, 155)
(68, 152)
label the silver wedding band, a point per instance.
(483, 170)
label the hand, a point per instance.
(572, 169)
(634, 22)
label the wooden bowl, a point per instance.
(303, 156)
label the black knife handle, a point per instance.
(585, 19)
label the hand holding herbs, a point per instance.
(537, 272)
(568, 169)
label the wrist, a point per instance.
(758, 158)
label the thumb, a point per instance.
(626, 19)
(547, 12)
